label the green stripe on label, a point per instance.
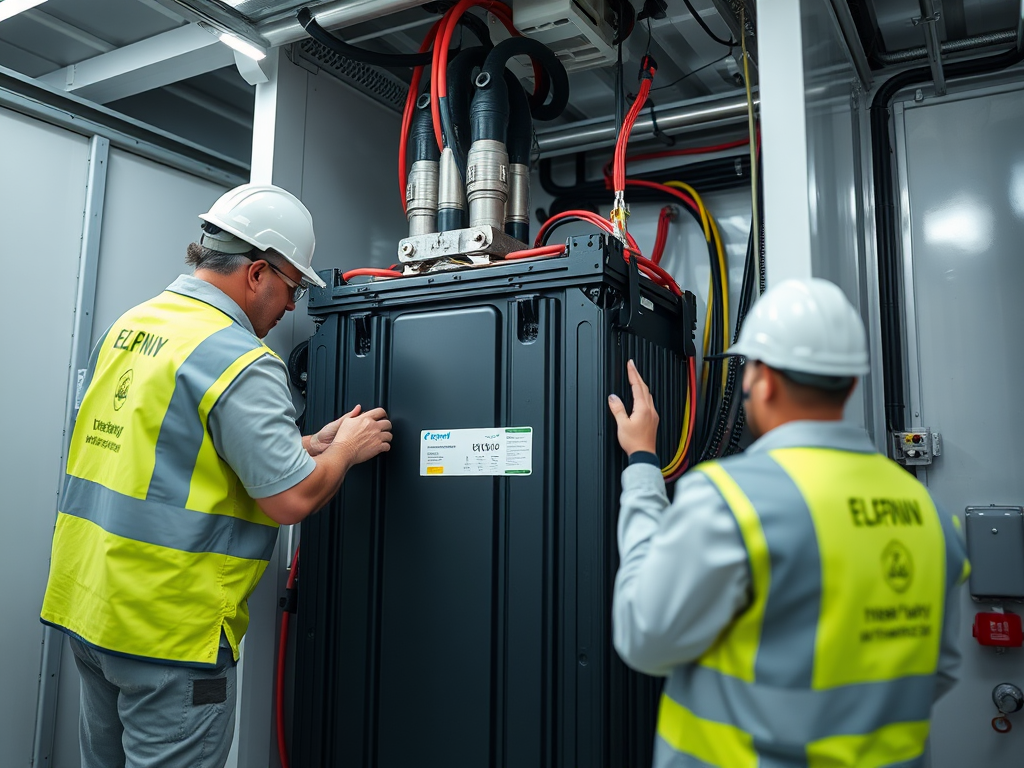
(518, 471)
(519, 429)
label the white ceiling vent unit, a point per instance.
(580, 32)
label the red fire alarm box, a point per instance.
(998, 629)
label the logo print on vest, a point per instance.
(897, 567)
(121, 393)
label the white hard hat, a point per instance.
(805, 326)
(268, 218)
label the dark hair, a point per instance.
(200, 257)
(814, 390)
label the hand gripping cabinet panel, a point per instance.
(465, 621)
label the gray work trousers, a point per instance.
(139, 714)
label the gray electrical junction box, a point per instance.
(995, 546)
(466, 620)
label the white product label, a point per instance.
(491, 451)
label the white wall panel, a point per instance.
(43, 174)
(962, 176)
(149, 217)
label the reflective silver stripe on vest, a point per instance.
(182, 430)
(165, 525)
(802, 715)
(956, 550)
(785, 656)
(667, 757)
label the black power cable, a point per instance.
(704, 25)
(305, 17)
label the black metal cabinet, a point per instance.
(465, 621)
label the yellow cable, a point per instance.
(755, 221)
(711, 230)
(684, 443)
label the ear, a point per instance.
(254, 275)
(772, 383)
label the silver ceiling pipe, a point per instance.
(1002, 37)
(342, 13)
(601, 132)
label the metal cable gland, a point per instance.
(518, 209)
(421, 198)
(450, 193)
(487, 183)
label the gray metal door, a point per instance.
(961, 161)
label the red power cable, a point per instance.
(370, 272)
(439, 81)
(648, 68)
(410, 105)
(282, 653)
(676, 153)
(544, 250)
(667, 190)
(664, 217)
(649, 268)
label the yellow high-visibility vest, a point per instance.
(157, 544)
(833, 662)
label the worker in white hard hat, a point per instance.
(799, 597)
(184, 460)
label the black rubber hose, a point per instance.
(478, 27)
(488, 112)
(520, 121)
(340, 47)
(890, 266)
(424, 142)
(474, 24)
(459, 96)
(496, 60)
(519, 141)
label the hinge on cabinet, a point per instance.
(528, 319)
(362, 335)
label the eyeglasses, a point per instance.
(298, 289)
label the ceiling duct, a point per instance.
(376, 83)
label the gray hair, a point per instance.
(200, 257)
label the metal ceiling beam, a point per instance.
(850, 36)
(162, 9)
(158, 61)
(342, 13)
(28, 96)
(68, 30)
(210, 104)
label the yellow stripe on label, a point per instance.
(735, 651)
(883, 566)
(896, 743)
(435, 470)
(717, 744)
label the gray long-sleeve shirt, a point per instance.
(684, 573)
